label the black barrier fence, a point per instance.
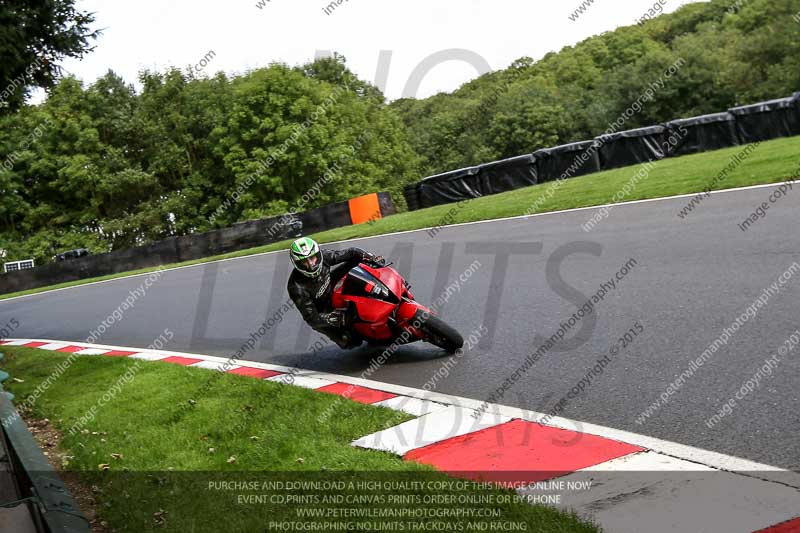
(449, 187)
(411, 194)
(474, 182)
(740, 125)
(632, 147)
(704, 133)
(508, 174)
(567, 161)
(767, 120)
(188, 247)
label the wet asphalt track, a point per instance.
(691, 280)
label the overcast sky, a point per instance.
(492, 33)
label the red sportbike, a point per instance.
(379, 307)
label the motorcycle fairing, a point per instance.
(390, 278)
(380, 301)
(371, 298)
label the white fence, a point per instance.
(18, 265)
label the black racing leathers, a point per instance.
(312, 296)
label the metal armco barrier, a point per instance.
(33, 499)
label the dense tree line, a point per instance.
(105, 166)
(735, 53)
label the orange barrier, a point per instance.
(365, 208)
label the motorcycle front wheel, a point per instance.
(438, 333)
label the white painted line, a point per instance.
(716, 460)
(428, 429)
(504, 219)
(53, 346)
(149, 356)
(648, 462)
(168, 353)
(301, 381)
(314, 380)
(216, 365)
(666, 493)
(690, 453)
(92, 351)
(411, 406)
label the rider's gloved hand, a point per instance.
(334, 319)
(376, 260)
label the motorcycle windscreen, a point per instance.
(361, 283)
(390, 277)
(374, 303)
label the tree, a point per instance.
(528, 118)
(34, 37)
(334, 70)
(726, 57)
(105, 167)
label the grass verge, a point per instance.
(158, 457)
(772, 162)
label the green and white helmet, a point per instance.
(306, 257)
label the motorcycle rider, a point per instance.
(311, 284)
